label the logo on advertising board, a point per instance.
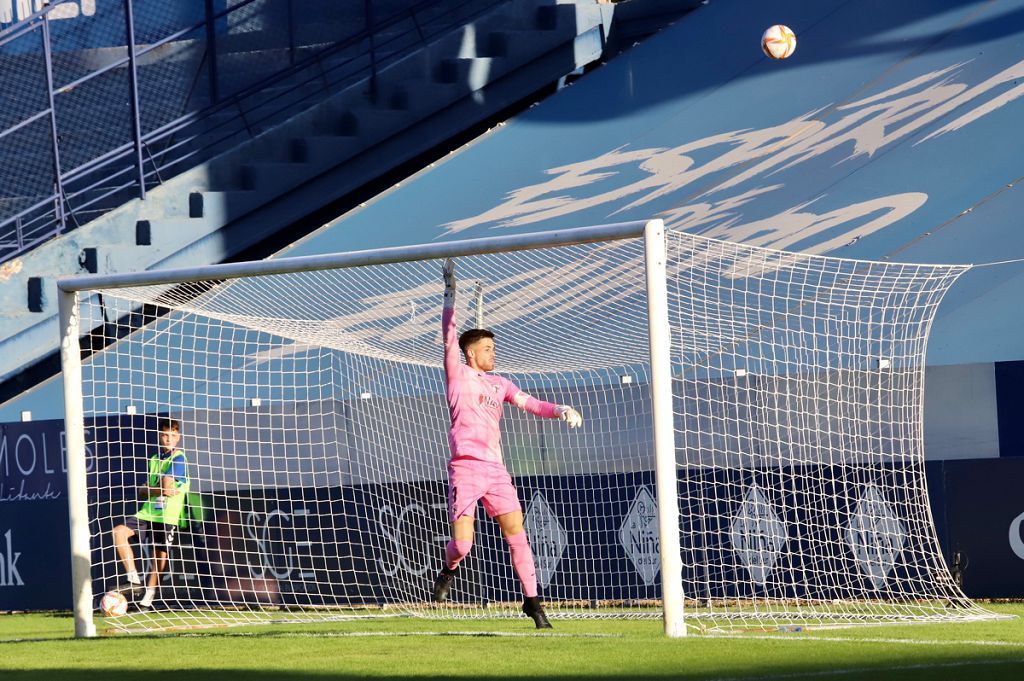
(876, 536)
(758, 535)
(33, 461)
(547, 538)
(9, 575)
(1016, 545)
(639, 536)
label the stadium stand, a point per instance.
(312, 113)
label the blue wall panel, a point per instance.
(1010, 394)
(985, 510)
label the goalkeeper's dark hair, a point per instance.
(472, 336)
(169, 424)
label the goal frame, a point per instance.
(659, 337)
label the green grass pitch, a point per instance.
(41, 646)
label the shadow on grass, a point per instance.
(992, 670)
(997, 667)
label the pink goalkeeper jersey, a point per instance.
(475, 402)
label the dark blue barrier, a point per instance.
(1010, 404)
(35, 563)
(379, 544)
(985, 510)
(384, 543)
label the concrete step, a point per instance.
(372, 124)
(284, 96)
(161, 233)
(416, 65)
(469, 40)
(226, 172)
(224, 206)
(519, 46)
(29, 292)
(260, 112)
(324, 151)
(432, 19)
(154, 241)
(262, 148)
(362, 120)
(272, 178)
(14, 297)
(425, 96)
(115, 258)
(473, 72)
(517, 15)
(551, 17)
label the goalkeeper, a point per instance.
(476, 471)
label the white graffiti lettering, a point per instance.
(866, 126)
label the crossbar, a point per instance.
(380, 256)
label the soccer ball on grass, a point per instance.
(113, 604)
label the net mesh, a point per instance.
(315, 425)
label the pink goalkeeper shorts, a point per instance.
(472, 480)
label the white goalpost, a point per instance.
(751, 455)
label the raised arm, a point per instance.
(448, 326)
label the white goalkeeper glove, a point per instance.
(569, 415)
(448, 272)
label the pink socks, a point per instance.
(522, 560)
(456, 550)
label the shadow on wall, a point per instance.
(719, 43)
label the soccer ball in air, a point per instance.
(778, 42)
(113, 604)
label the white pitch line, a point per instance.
(870, 670)
(887, 641)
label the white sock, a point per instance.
(147, 600)
(133, 578)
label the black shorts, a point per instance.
(160, 535)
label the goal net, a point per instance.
(314, 426)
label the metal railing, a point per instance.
(94, 113)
